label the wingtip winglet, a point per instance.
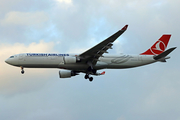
(125, 27)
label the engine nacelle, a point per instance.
(69, 59)
(66, 73)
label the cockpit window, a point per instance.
(12, 57)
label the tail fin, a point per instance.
(159, 47)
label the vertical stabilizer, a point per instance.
(159, 47)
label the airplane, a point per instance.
(92, 60)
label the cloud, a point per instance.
(8, 49)
(121, 118)
(160, 98)
(9, 85)
(25, 18)
(65, 1)
(149, 92)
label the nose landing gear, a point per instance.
(22, 70)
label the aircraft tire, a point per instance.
(22, 71)
(86, 76)
(91, 79)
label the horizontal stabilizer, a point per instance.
(164, 54)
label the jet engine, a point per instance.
(69, 60)
(66, 73)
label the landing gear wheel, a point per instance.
(22, 71)
(91, 79)
(86, 76)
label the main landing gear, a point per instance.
(22, 70)
(87, 77)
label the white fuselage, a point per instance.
(46, 60)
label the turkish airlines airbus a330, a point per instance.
(93, 59)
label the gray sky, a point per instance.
(73, 26)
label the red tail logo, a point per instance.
(159, 46)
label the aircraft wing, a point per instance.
(95, 52)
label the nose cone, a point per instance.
(11, 61)
(7, 61)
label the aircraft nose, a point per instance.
(11, 61)
(7, 61)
